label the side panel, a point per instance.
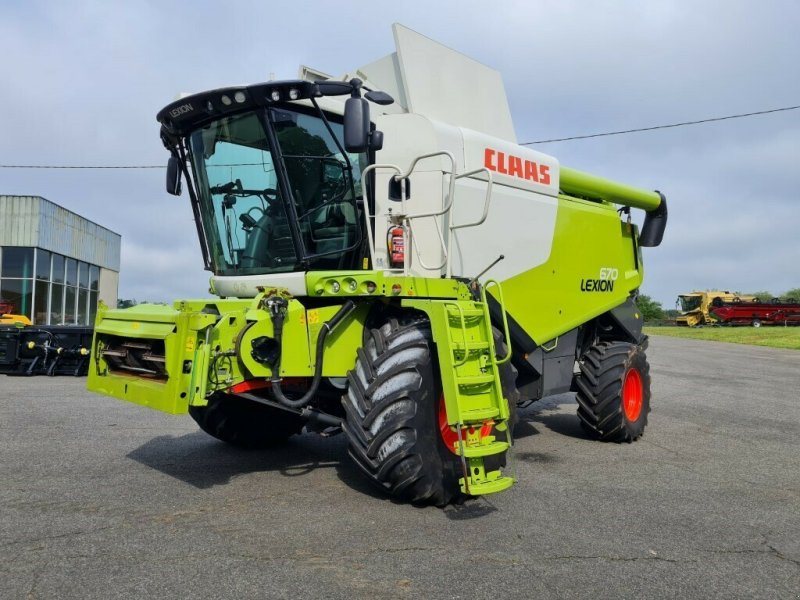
(592, 268)
(520, 225)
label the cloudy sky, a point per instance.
(81, 82)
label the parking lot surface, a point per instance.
(104, 499)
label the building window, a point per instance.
(17, 262)
(48, 288)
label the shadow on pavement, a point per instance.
(203, 462)
(548, 412)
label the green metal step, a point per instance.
(483, 450)
(490, 486)
(479, 414)
(474, 380)
(471, 346)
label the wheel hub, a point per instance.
(632, 395)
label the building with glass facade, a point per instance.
(54, 264)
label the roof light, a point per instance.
(239, 97)
(294, 94)
(209, 105)
(226, 100)
(335, 287)
(275, 95)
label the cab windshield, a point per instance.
(276, 193)
(689, 303)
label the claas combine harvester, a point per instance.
(393, 265)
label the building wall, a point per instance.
(38, 223)
(54, 264)
(109, 286)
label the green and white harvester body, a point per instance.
(405, 275)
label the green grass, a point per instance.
(772, 336)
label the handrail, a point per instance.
(365, 183)
(475, 223)
(463, 324)
(402, 177)
(419, 254)
(506, 332)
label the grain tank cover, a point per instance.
(430, 79)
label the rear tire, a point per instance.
(614, 391)
(391, 408)
(244, 423)
(756, 323)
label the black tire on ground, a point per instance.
(614, 391)
(245, 423)
(391, 422)
(756, 322)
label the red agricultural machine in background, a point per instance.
(756, 312)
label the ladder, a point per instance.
(473, 393)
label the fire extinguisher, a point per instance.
(396, 243)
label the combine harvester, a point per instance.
(756, 313)
(404, 275)
(696, 306)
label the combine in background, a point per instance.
(696, 307)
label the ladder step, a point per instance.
(474, 380)
(471, 346)
(488, 487)
(468, 312)
(479, 415)
(483, 449)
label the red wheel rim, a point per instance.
(449, 435)
(632, 395)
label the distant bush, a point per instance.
(651, 310)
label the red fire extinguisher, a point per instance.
(395, 240)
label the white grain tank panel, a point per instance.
(19, 220)
(520, 225)
(407, 136)
(510, 164)
(445, 85)
(67, 233)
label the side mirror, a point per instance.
(356, 125)
(174, 176)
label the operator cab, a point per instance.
(275, 182)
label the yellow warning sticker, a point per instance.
(135, 325)
(365, 264)
(190, 345)
(313, 317)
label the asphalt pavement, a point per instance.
(104, 499)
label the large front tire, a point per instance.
(391, 421)
(244, 423)
(614, 391)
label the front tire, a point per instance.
(244, 423)
(614, 391)
(391, 423)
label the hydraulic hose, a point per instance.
(277, 307)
